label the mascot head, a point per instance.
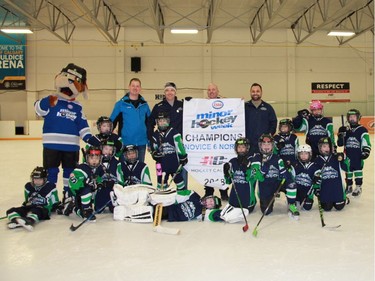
(71, 81)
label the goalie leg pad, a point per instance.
(129, 196)
(231, 214)
(135, 213)
(166, 198)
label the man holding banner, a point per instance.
(210, 129)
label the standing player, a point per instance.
(168, 150)
(331, 192)
(286, 142)
(315, 126)
(132, 171)
(357, 147)
(84, 181)
(39, 198)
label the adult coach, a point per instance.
(260, 118)
(131, 114)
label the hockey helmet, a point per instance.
(353, 112)
(323, 141)
(104, 120)
(316, 104)
(93, 156)
(285, 122)
(71, 81)
(107, 152)
(304, 148)
(263, 143)
(242, 141)
(130, 154)
(211, 202)
(38, 173)
(163, 121)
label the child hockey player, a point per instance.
(168, 150)
(331, 191)
(39, 198)
(109, 163)
(105, 129)
(357, 147)
(273, 172)
(132, 171)
(242, 190)
(83, 182)
(315, 126)
(306, 176)
(286, 142)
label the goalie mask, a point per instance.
(93, 156)
(211, 202)
(266, 144)
(130, 154)
(104, 125)
(38, 176)
(163, 121)
(304, 153)
(71, 81)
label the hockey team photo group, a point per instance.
(242, 155)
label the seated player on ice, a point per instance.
(40, 195)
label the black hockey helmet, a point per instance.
(104, 119)
(285, 122)
(111, 143)
(39, 173)
(266, 138)
(211, 202)
(129, 149)
(353, 112)
(325, 140)
(163, 116)
(242, 141)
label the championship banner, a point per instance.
(210, 129)
(12, 63)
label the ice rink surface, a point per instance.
(110, 250)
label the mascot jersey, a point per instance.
(64, 126)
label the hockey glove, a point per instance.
(365, 152)
(280, 144)
(226, 170)
(340, 156)
(317, 190)
(317, 180)
(183, 159)
(188, 98)
(304, 113)
(342, 132)
(157, 156)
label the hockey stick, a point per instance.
(74, 228)
(255, 231)
(174, 176)
(158, 214)
(322, 217)
(246, 226)
(4, 217)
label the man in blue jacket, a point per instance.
(260, 118)
(131, 113)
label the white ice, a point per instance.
(111, 250)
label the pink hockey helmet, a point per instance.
(316, 104)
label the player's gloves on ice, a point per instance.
(183, 159)
(365, 152)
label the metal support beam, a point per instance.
(157, 17)
(307, 24)
(264, 17)
(212, 11)
(107, 21)
(57, 19)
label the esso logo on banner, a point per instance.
(217, 104)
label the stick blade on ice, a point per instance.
(245, 228)
(166, 230)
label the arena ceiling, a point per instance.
(304, 17)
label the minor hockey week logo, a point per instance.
(214, 120)
(65, 113)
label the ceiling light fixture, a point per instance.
(16, 30)
(184, 31)
(341, 33)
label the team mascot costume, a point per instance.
(64, 125)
